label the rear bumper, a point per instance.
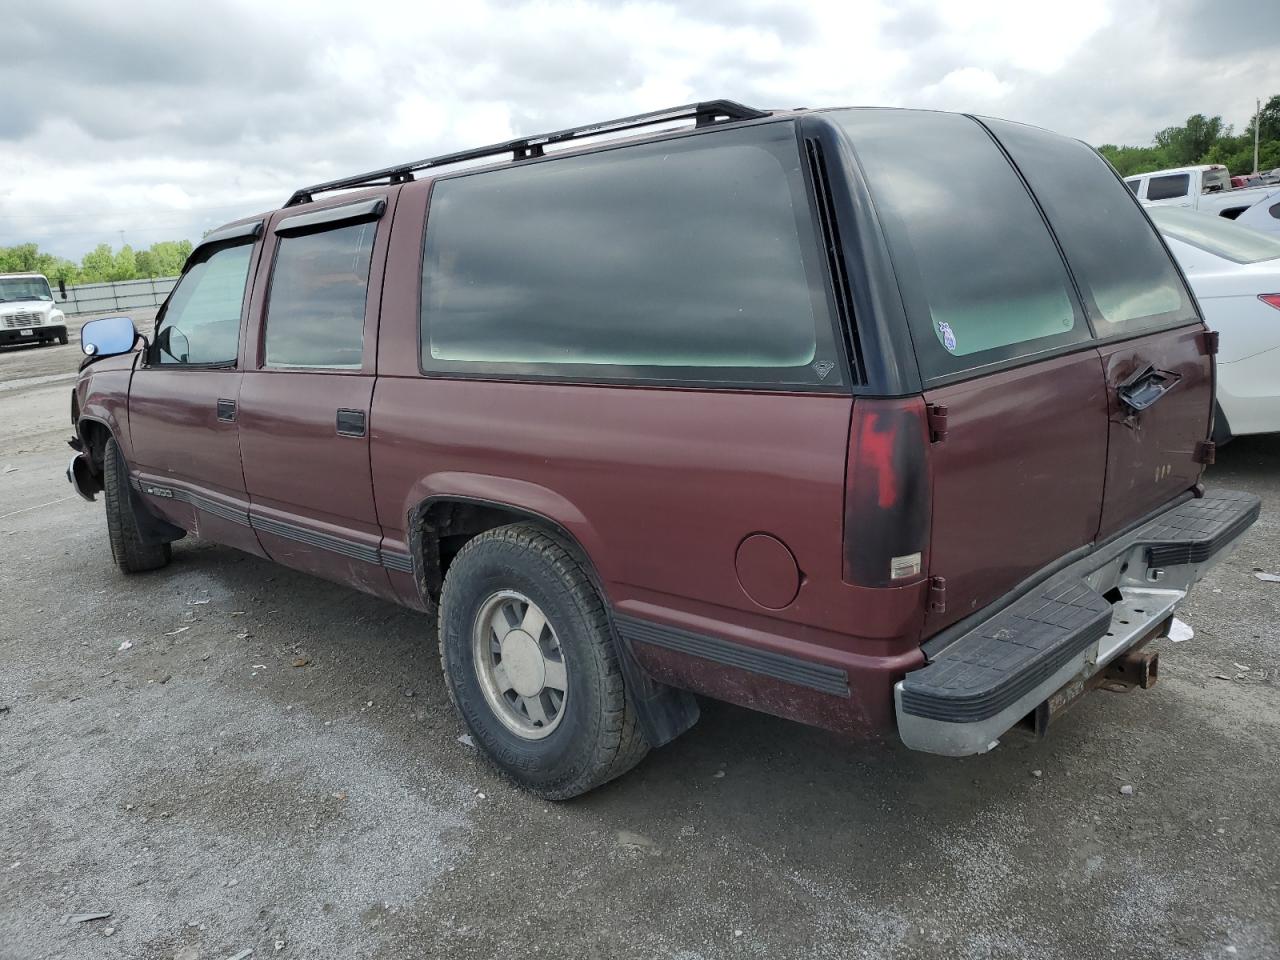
(1067, 628)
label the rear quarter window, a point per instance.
(981, 278)
(1126, 277)
(691, 260)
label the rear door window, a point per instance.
(691, 260)
(200, 323)
(315, 307)
(1128, 281)
(1134, 186)
(1169, 188)
(980, 275)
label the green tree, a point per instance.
(97, 265)
(124, 264)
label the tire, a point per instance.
(127, 549)
(62, 338)
(591, 735)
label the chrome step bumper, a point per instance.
(1065, 629)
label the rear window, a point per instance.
(690, 260)
(1127, 279)
(980, 275)
(1170, 187)
(1217, 236)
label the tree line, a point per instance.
(1205, 140)
(101, 264)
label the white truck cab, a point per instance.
(1205, 187)
(27, 310)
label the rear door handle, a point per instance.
(1145, 387)
(351, 423)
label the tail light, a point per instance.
(888, 493)
(1270, 299)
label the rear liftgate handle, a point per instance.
(1145, 387)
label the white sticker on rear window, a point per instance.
(947, 335)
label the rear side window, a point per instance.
(690, 260)
(1127, 279)
(980, 275)
(1133, 186)
(1170, 187)
(201, 321)
(315, 308)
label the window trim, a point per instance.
(318, 223)
(331, 218)
(221, 240)
(838, 338)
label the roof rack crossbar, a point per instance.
(703, 114)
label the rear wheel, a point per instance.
(530, 664)
(128, 550)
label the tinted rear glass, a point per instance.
(980, 275)
(1168, 188)
(1215, 235)
(688, 260)
(1127, 279)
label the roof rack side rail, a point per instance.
(703, 114)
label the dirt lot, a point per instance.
(167, 759)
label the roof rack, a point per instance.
(703, 114)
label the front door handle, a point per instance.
(1145, 387)
(227, 411)
(351, 423)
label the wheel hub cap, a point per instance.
(520, 665)
(523, 660)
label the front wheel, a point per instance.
(62, 338)
(128, 550)
(530, 664)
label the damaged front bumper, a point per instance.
(1056, 635)
(80, 473)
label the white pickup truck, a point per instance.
(27, 311)
(1206, 187)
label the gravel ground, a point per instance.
(227, 755)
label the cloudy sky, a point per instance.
(148, 121)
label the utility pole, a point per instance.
(1257, 121)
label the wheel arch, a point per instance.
(438, 527)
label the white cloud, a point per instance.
(178, 117)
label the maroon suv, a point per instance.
(768, 406)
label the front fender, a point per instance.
(102, 396)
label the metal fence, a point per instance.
(105, 297)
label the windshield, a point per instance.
(24, 288)
(1215, 235)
